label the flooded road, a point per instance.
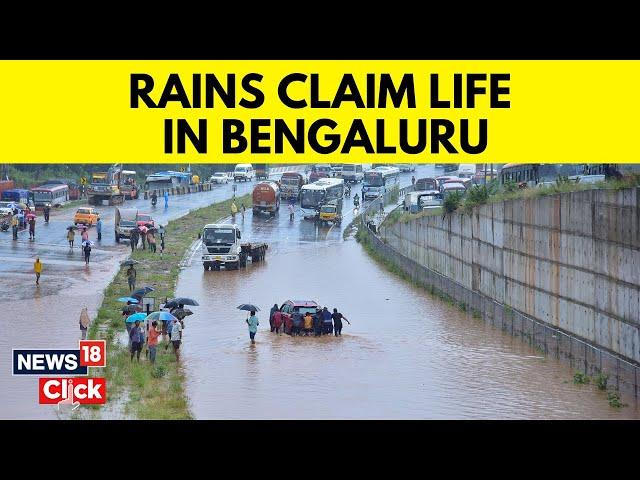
(46, 316)
(406, 355)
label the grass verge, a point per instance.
(151, 392)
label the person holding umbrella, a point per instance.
(137, 338)
(253, 323)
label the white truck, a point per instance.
(221, 247)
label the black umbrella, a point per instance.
(141, 292)
(248, 307)
(72, 227)
(130, 262)
(131, 309)
(180, 313)
(181, 301)
(149, 225)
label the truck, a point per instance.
(262, 171)
(221, 247)
(291, 183)
(105, 187)
(266, 197)
(125, 222)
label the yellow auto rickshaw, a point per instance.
(331, 212)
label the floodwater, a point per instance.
(407, 355)
(46, 316)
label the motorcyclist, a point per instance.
(356, 200)
(47, 210)
(347, 187)
(154, 198)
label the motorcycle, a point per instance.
(356, 201)
(347, 189)
(154, 201)
(4, 226)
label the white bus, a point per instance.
(378, 180)
(354, 172)
(315, 194)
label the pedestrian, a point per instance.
(84, 323)
(413, 181)
(32, 228)
(143, 239)
(71, 235)
(161, 232)
(274, 309)
(151, 240)
(37, 268)
(288, 324)
(317, 324)
(166, 333)
(85, 234)
(134, 239)
(337, 322)
(381, 207)
(166, 199)
(176, 338)
(308, 323)
(154, 333)
(131, 278)
(99, 228)
(278, 322)
(327, 325)
(47, 212)
(87, 251)
(253, 323)
(136, 337)
(244, 209)
(234, 210)
(14, 226)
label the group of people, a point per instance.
(149, 334)
(85, 244)
(321, 322)
(140, 237)
(154, 199)
(234, 210)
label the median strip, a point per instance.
(140, 390)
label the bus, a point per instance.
(313, 195)
(17, 195)
(378, 180)
(354, 172)
(534, 174)
(53, 194)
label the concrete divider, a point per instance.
(561, 271)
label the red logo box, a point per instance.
(72, 391)
(93, 353)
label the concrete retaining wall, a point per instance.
(570, 261)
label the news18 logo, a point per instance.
(61, 391)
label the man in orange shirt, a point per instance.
(153, 341)
(308, 323)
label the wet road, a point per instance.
(406, 355)
(46, 316)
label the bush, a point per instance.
(452, 202)
(159, 372)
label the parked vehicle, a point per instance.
(86, 216)
(449, 188)
(244, 172)
(429, 200)
(125, 222)
(144, 219)
(221, 247)
(105, 187)
(6, 208)
(18, 195)
(336, 170)
(331, 212)
(266, 197)
(54, 195)
(291, 183)
(450, 167)
(467, 182)
(441, 179)
(6, 185)
(262, 171)
(354, 172)
(426, 183)
(219, 177)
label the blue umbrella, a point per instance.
(128, 299)
(136, 317)
(162, 316)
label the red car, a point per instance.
(144, 219)
(294, 310)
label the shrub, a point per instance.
(452, 202)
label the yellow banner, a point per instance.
(319, 111)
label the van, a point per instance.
(466, 170)
(243, 171)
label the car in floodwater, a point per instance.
(294, 310)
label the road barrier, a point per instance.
(615, 371)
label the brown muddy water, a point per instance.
(407, 355)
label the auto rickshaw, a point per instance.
(331, 212)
